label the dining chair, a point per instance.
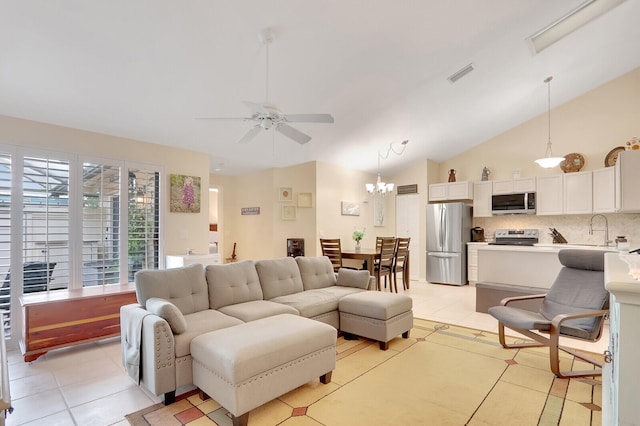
(332, 249)
(575, 307)
(384, 262)
(401, 263)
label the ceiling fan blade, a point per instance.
(252, 133)
(224, 118)
(254, 107)
(308, 118)
(292, 133)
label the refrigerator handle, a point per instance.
(443, 226)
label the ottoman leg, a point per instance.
(242, 420)
(405, 335)
(384, 346)
(326, 378)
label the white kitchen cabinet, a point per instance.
(627, 181)
(549, 195)
(451, 191)
(510, 186)
(604, 190)
(472, 261)
(577, 189)
(482, 192)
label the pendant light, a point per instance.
(381, 188)
(549, 161)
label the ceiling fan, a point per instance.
(266, 115)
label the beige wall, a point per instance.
(591, 125)
(182, 230)
(337, 184)
(264, 236)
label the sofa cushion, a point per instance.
(279, 277)
(257, 309)
(340, 291)
(310, 303)
(232, 283)
(185, 287)
(353, 278)
(316, 272)
(199, 323)
(169, 312)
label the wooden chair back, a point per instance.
(332, 249)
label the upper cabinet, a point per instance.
(549, 195)
(604, 194)
(577, 189)
(627, 179)
(482, 192)
(509, 186)
(451, 191)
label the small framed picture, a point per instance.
(285, 194)
(350, 208)
(288, 212)
(305, 199)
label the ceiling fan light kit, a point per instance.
(267, 116)
(549, 161)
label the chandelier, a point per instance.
(381, 188)
(549, 161)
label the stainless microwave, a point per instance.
(519, 203)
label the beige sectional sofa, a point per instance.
(177, 305)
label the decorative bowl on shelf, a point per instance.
(633, 260)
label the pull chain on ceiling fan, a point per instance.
(266, 115)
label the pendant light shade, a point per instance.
(549, 161)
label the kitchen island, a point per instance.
(528, 266)
(508, 271)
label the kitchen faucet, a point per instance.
(606, 229)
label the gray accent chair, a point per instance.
(575, 307)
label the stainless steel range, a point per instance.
(516, 237)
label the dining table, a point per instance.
(369, 255)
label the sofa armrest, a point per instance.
(157, 348)
(158, 355)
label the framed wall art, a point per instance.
(305, 199)
(288, 212)
(285, 194)
(350, 208)
(184, 194)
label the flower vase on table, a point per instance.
(357, 237)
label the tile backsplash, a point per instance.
(575, 228)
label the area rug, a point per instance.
(441, 375)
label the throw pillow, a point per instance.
(169, 312)
(353, 278)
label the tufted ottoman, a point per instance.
(245, 366)
(376, 315)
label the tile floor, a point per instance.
(86, 385)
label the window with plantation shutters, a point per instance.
(5, 238)
(45, 230)
(143, 212)
(100, 224)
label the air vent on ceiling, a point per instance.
(461, 73)
(583, 14)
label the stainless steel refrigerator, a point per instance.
(448, 231)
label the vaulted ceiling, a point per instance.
(144, 69)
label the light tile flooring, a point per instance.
(86, 385)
